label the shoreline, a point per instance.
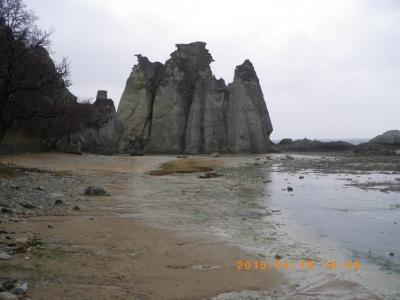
(153, 198)
(106, 255)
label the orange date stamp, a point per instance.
(277, 264)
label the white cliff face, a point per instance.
(182, 108)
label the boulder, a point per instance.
(387, 143)
(391, 137)
(136, 147)
(286, 142)
(95, 191)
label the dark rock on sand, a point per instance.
(59, 202)
(96, 191)
(6, 210)
(210, 175)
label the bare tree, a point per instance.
(26, 70)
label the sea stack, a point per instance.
(180, 107)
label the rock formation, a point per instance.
(99, 133)
(180, 107)
(306, 145)
(391, 137)
(387, 143)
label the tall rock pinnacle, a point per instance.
(182, 108)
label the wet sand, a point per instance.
(175, 236)
(97, 254)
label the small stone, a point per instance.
(6, 210)
(56, 195)
(20, 249)
(301, 177)
(3, 232)
(289, 189)
(215, 154)
(76, 207)
(7, 296)
(257, 158)
(28, 205)
(391, 254)
(210, 175)
(22, 240)
(181, 156)
(40, 188)
(4, 255)
(9, 284)
(96, 191)
(21, 288)
(59, 202)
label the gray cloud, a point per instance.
(329, 69)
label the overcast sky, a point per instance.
(328, 69)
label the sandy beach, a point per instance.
(174, 236)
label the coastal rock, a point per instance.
(307, 145)
(136, 106)
(99, 134)
(179, 101)
(182, 108)
(391, 137)
(387, 143)
(248, 122)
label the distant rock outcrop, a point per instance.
(387, 143)
(307, 145)
(180, 107)
(391, 137)
(99, 133)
